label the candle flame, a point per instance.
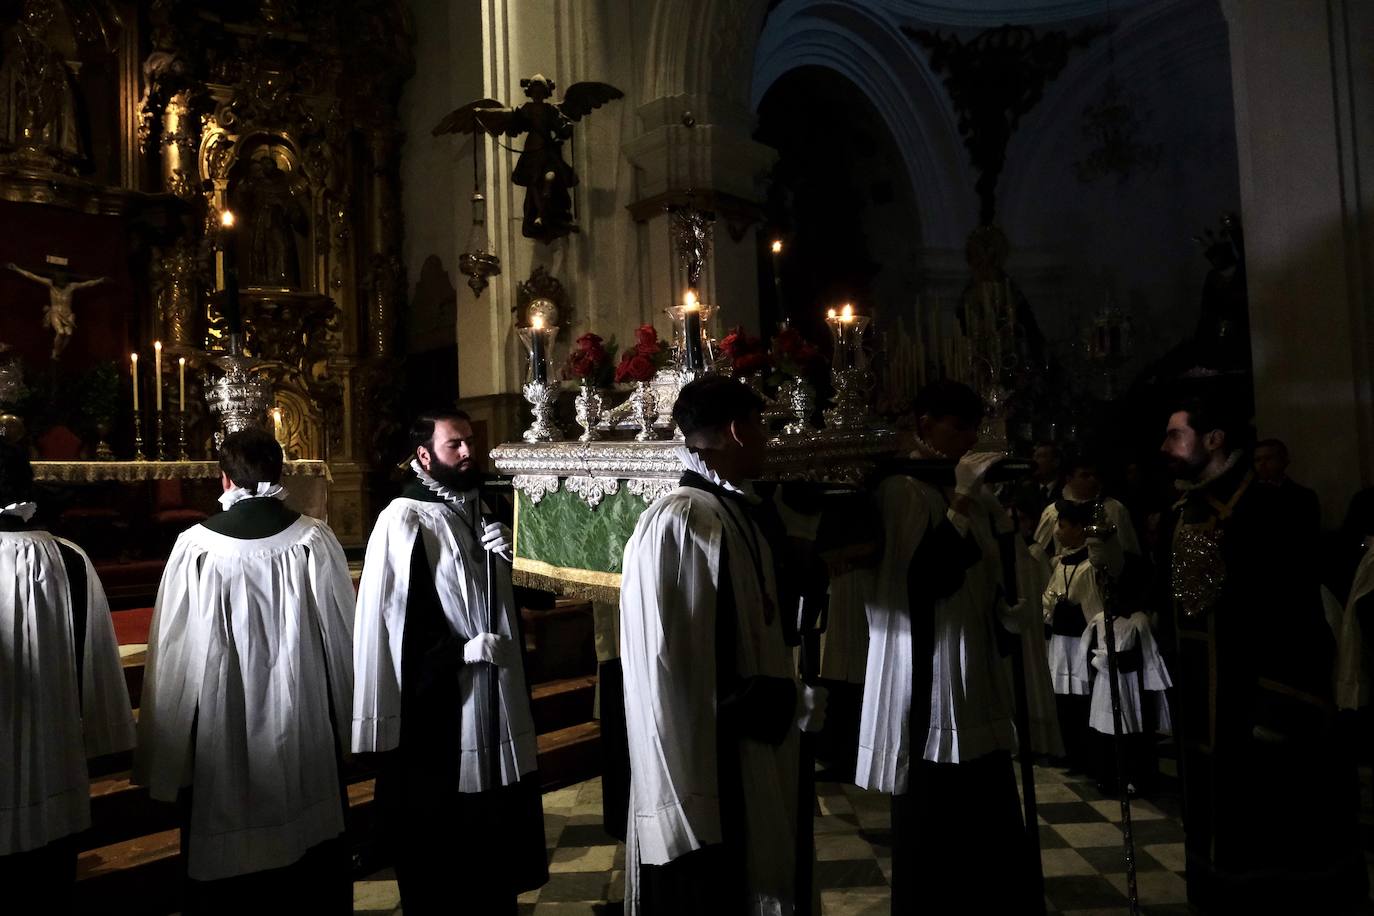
(847, 313)
(157, 345)
(226, 219)
(537, 322)
(777, 246)
(689, 301)
(133, 358)
(181, 360)
(830, 313)
(276, 414)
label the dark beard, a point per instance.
(457, 478)
(1186, 470)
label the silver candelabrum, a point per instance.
(542, 396)
(849, 408)
(588, 407)
(238, 398)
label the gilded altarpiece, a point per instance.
(281, 111)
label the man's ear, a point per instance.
(734, 432)
(225, 481)
(1214, 440)
(423, 456)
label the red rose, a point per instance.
(589, 342)
(646, 336)
(732, 341)
(648, 351)
(752, 362)
(635, 367)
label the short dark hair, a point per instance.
(712, 403)
(1277, 445)
(250, 457)
(1207, 414)
(1074, 513)
(947, 398)
(422, 427)
(1078, 462)
(16, 474)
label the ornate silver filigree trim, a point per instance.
(650, 489)
(535, 486)
(592, 489)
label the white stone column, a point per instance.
(1304, 92)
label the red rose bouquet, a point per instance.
(590, 362)
(796, 357)
(641, 363)
(747, 354)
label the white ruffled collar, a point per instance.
(693, 462)
(452, 497)
(236, 494)
(925, 450)
(24, 510)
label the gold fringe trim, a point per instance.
(568, 588)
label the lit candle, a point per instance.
(181, 378)
(777, 279)
(227, 266)
(133, 374)
(157, 375)
(692, 358)
(847, 334)
(538, 364)
(276, 423)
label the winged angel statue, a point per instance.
(541, 169)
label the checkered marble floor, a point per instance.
(1080, 838)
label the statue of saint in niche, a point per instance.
(271, 212)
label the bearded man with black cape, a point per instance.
(1269, 797)
(440, 688)
(713, 706)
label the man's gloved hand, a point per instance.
(1105, 555)
(811, 705)
(971, 469)
(490, 648)
(1100, 659)
(496, 539)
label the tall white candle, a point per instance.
(157, 374)
(181, 378)
(133, 374)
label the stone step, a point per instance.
(563, 703)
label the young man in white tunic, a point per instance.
(441, 692)
(247, 693)
(1084, 486)
(62, 693)
(1070, 600)
(712, 702)
(1142, 679)
(937, 730)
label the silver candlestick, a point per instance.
(849, 409)
(798, 399)
(588, 407)
(542, 396)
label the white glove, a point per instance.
(496, 539)
(490, 648)
(971, 469)
(811, 704)
(1100, 659)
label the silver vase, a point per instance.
(645, 411)
(799, 399)
(541, 397)
(588, 407)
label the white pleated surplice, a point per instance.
(252, 641)
(50, 724)
(668, 649)
(1076, 582)
(1352, 668)
(1130, 632)
(459, 566)
(970, 696)
(844, 644)
(1033, 574)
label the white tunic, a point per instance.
(251, 640)
(1116, 513)
(970, 695)
(1033, 574)
(668, 648)
(50, 724)
(459, 566)
(844, 645)
(1352, 668)
(1075, 582)
(1130, 632)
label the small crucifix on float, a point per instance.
(61, 284)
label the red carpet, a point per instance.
(131, 626)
